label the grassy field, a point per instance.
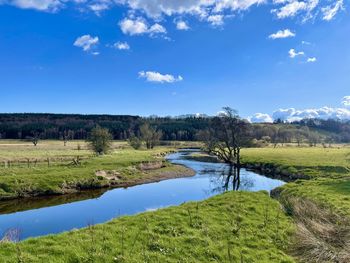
(310, 161)
(227, 228)
(232, 227)
(20, 151)
(43, 178)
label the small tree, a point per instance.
(66, 136)
(35, 138)
(100, 140)
(150, 135)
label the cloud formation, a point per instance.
(311, 60)
(329, 11)
(216, 20)
(153, 76)
(139, 26)
(260, 118)
(292, 114)
(41, 5)
(121, 46)
(292, 53)
(182, 25)
(212, 11)
(346, 101)
(86, 42)
(282, 34)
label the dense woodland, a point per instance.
(74, 126)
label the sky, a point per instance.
(286, 59)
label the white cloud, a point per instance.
(260, 117)
(156, 29)
(182, 25)
(200, 8)
(291, 8)
(156, 9)
(86, 42)
(139, 26)
(292, 53)
(305, 42)
(121, 45)
(311, 60)
(214, 11)
(235, 5)
(292, 114)
(216, 20)
(99, 7)
(41, 5)
(282, 34)
(153, 76)
(133, 27)
(329, 12)
(346, 101)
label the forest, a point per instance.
(77, 127)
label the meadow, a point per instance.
(232, 227)
(310, 161)
(50, 168)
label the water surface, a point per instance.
(37, 218)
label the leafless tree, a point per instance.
(227, 134)
(35, 138)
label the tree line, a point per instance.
(67, 127)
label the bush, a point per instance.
(135, 142)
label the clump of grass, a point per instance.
(322, 235)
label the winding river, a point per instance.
(52, 215)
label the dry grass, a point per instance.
(322, 235)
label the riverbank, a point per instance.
(317, 196)
(122, 168)
(231, 227)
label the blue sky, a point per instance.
(175, 57)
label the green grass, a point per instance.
(310, 161)
(328, 168)
(58, 178)
(232, 227)
(329, 193)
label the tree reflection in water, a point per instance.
(230, 179)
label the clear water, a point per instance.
(40, 219)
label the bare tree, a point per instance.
(35, 138)
(66, 136)
(227, 134)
